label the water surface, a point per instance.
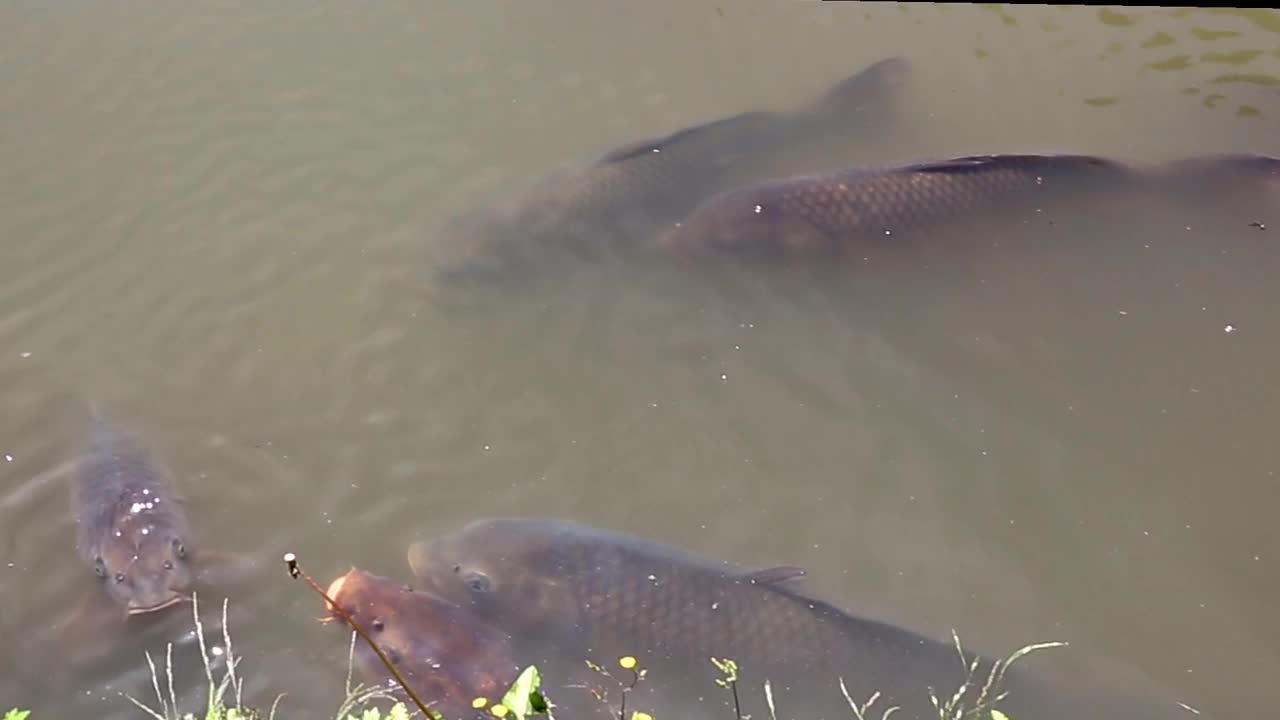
(220, 222)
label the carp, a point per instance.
(565, 590)
(617, 202)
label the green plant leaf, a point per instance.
(398, 712)
(16, 714)
(997, 715)
(520, 699)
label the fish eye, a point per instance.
(119, 577)
(477, 583)
(100, 568)
(179, 548)
(168, 564)
(378, 624)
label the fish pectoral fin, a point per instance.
(777, 575)
(91, 629)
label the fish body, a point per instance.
(1246, 181)
(446, 654)
(616, 202)
(571, 590)
(837, 214)
(131, 527)
(1246, 167)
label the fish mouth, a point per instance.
(334, 591)
(420, 563)
(335, 587)
(417, 557)
(135, 608)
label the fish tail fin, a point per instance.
(864, 90)
(1247, 183)
(1220, 170)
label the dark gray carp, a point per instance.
(618, 201)
(1247, 168)
(845, 213)
(446, 654)
(566, 590)
(133, 535)
(838, 214)
(131, 528)
(1242, 181)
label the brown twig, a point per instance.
(291, 561)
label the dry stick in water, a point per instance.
(291, 561)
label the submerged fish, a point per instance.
(568, 590)
(133, 534)
(1243, 180)
(131, 528)
(1239, 167)
(835, 214)
(446, 654)
(623, 197)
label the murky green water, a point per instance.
(219, 222)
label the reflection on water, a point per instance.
(221, 223)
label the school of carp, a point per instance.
(500, 594)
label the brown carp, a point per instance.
(618, 201)
(837, 214)
(566, 590)
(446, 654)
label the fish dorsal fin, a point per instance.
(648, 146)
(776, 575)
(970, 163)
(957, 164)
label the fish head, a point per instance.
(506, 569)
(146, 569)
(447, 654)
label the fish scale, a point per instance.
(662, 606)
(694, 615)
(834, 213)
(566, 593)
